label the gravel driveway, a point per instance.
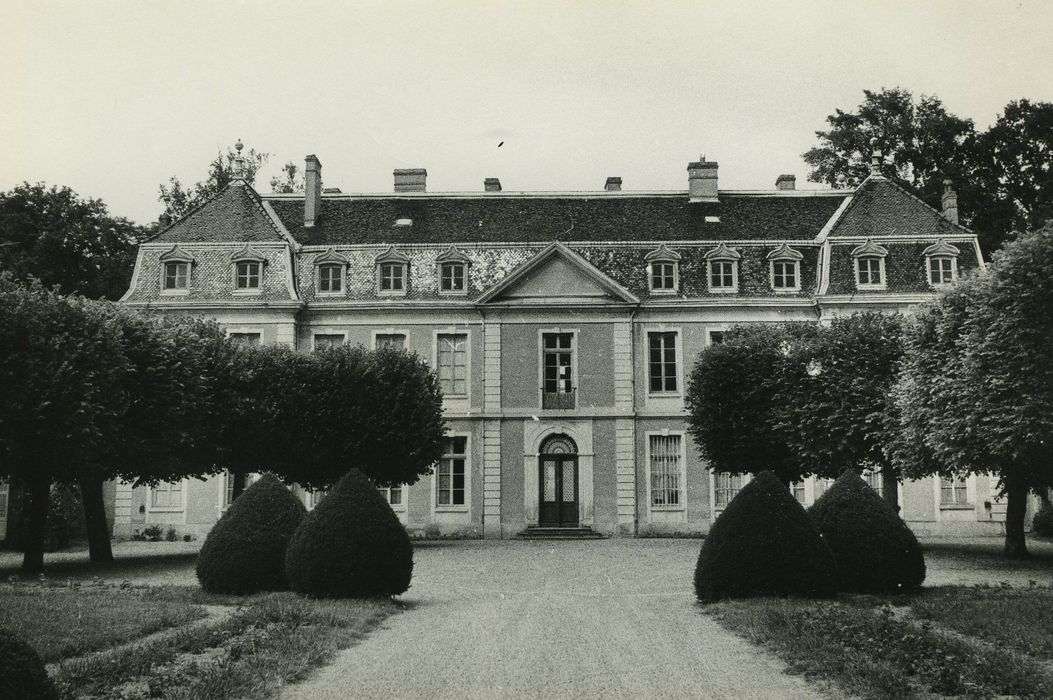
(495, 619)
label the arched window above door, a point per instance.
(558, 445)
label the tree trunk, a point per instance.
(99, 549)
(890, 488)
(39, 490)
(239, 484)
(1016, 509)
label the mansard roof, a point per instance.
(235, 214)
(545, 217)
(880, 207)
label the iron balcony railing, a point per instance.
(561, 400)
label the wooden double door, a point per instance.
(559, 490)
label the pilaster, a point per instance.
(625, 474)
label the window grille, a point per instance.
(666, 471)
(726, 487)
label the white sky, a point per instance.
(111, 98)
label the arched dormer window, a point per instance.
(247, 267)
(392, 273)
(870, 265)
(330, 270)
(663, 270)
(453, 272)
(941, 262)
(785, 267)
(176, 268)
(722, 265)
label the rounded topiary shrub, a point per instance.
(764, 544)
(1042, 523)
(245, 550)
(350, 545)
(22, 674)
(875, 550)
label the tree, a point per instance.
(180, 201)
(839, 413)
(58, 237)
(1002, 176)
(290, 183)
(976, 389)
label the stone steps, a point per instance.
(535, 532)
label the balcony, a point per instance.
(562, 400)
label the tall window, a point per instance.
(247, 275)
(177, 275)
(330, 279)
(328, 340)
(452, 277)
(722, 275)
(558, 390)
(392, 277)
(662, 367)
(870, 271)
(246, 338)
(663, 276)
(450, 473)
(392, 341)
(667, 488)
(726, 487)
(797, 489)
(167, 494)
(941, 270)
(784, 275)
(452, 357)
(953, 492)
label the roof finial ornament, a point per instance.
(875, 157)
(239, 161)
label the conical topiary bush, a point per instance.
(875, 550)
(245, 550)
(764, 544)
(351, 545)
(22, 674)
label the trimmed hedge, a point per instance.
(1042, 523)
(875, 550)
(351, 545)
(245, 551)
(22, 673)
(764, 544)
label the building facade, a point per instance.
(562, 327)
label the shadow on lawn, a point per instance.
(126, 566)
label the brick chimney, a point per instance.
(702, 181)
(491, 184)
(312, 188)
(786, 182)
(613, 184)
(949, 202)
(411, 180)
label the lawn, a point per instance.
(946, 641)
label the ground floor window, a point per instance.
(393, 495)
(797, 489)
(953, 492)
(167, 494)
(666, 471)
(726, 487)
(315, 497)
(873, 479)
(450, 473)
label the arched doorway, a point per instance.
(558, 480)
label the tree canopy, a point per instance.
(60, 238)
(180, 200)
(290, 181)
(1002, 175)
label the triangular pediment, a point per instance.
(557, 275)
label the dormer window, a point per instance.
(723, 269)
(453, 272)
(663, 270)
(330, 269)
(870, 265)
(248, 271)
(942, 263)
(176, 267)
(785, 268)
(392, 273)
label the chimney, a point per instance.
(950, 202)
(491, 184)
(702, 181)
(613, 184)
(786, 182)
(312, 188)
(411, 179)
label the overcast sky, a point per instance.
(112, 98)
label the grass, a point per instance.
(64, 621)
(872, 650)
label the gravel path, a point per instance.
(612, 619)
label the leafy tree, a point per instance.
(291, 182)
(976, 391)
(62, 239)
(839, 414)
(180, 201)
(736, 401)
